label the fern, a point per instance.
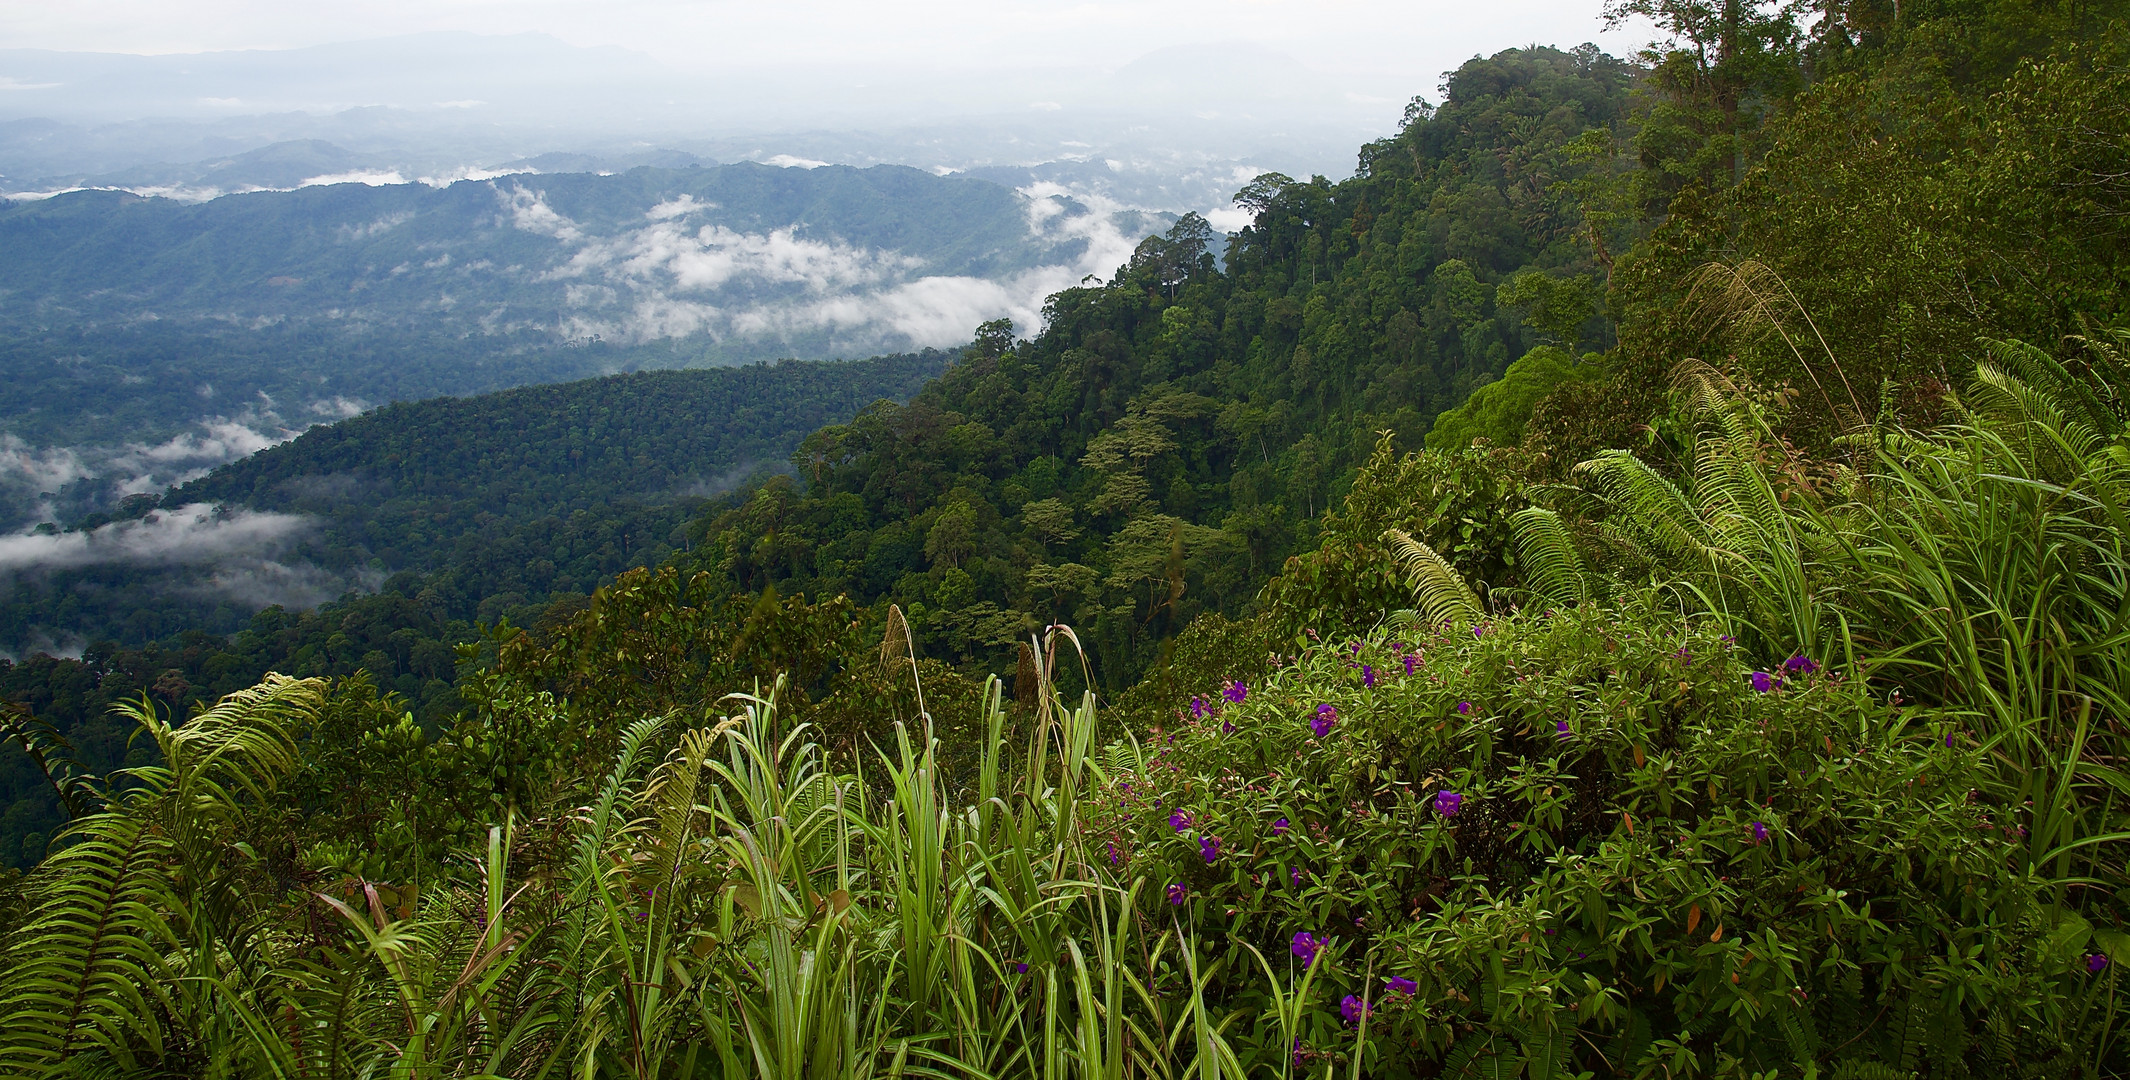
(1798, 1032)
(76, 787)
(90, 971)
(1553, 568)
(1437, 588)
(1657, 507)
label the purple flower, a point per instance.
(1410, 660)
(1020, 969)
(1800, 664)
(1279, 827)
(1227, 727)
(1447, 803)
(1199, 710)
(1948, 738)
(1351, 1009)
(1760, 832)
(1297, 1051)
(1210, 848)
(2095, 962)
(1368, 676)
(1235, 692)
(1479, 631)
(1560, 730)
(1682, 654)
(1305, 946)
(1399, 984)
(1464, 708)
(1764, 682)
(1112, 853)
(1179, 821)
(1295, 876)
(1325, 717)
(1177, 892)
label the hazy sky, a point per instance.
(1398, 46)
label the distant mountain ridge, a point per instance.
(768, 261)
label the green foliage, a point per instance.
(162, 868)
(1498, 411)
(1881, 208)
(489, 508)
(1595, 867)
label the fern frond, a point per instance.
(1656, 506)
(79, 790)
(2051, 377)
(2042, 427)
(87, 972)
(1553, 567)
(1436, 586)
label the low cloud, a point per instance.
(338, 408)
(43, 643)
(218, 441)
(33, 479)
(529, 212)
(710, 487)
(194, 535)
(263, 583)
(668, 255)
(196, 551)
(46, 469)
(141, 467)
(676, 281)
(366, 177)
(383, 224)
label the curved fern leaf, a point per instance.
(88, 969)
(1436, 586)
(1553, 568)
(87, 973)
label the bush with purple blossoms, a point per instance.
(1486, 824)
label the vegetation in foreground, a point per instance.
(1769, 773)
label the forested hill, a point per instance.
(1173, 435)
(539, 489)
(495, 502)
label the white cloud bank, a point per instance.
(194, 550)
(194, 535)
(30, 473)
(672, 277)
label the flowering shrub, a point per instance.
(1589, 832)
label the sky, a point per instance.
(1375, 46)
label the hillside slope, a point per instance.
(494, 502)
